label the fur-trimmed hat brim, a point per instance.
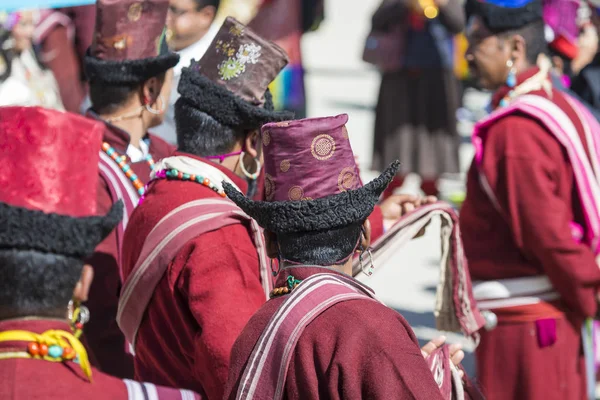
(336, 211)
(25, 229)
(127, 71)
(501, 19)
(224, 106)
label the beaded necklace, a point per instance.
(291, 284)
(173, 174)
(52, 345)
(126, 168)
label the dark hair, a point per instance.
(107, 98)
(36, 283)
(200, 4)
(327, 247)
(200, 134)
(535, 39)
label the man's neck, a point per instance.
(135, 127)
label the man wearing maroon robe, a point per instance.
(524, 222)
(351, 347)
(191, 321)
(128, 69)
(49, 225)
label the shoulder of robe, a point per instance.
(147, 391)
(518, 135)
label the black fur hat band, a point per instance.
(336, 211)
(501, 19)
(127, 71)
(25, 229)
(225, 107)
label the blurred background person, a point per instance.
(562, 32)
(191, 30)
(284, 22)
(64, 35)
(24, 79)
(419, 94)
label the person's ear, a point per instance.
(518, 49)
(366, 234)
(151, 90)
(82, 288)
(271, 244)
(252, 144)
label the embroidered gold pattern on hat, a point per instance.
(266, 138)
(135, 12)
(295, 193)
(347, 179)
(322, 147)
(269, 187)
(119, 42)
(282, 124)
(285, 165)
(345, 132)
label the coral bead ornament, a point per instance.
(121, 161)
(33, 348)
(43, 349)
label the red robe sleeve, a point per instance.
(532, 178)
(221, 282)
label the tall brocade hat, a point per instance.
(129, 44)
(48, 197)
(230, 82)
(505, 15)
(311, 180)
(562, 31)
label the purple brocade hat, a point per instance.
(308, 159)
(311, 178)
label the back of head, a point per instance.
(326, 247)
(200, 134)
(36, 283)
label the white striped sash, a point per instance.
(148, 391)
(265, 373)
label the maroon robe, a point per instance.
(355, 349)
(194, 316)
(30, 379)
(193, 319)
(103, 336)
(532, 178)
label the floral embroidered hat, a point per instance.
(230, 82)
(311, 178)
(129, 43)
